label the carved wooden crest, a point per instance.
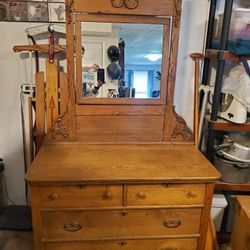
(68, 10)
(117, 3)
(130, 4)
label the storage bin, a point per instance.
(240, 24)
(231, 171)
(219, 204)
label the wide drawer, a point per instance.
(107, 224)
(81, 196)
(173, 244)
(166, 194)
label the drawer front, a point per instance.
(171, 194)
(174, 244)
(118, 224)
(81, 196)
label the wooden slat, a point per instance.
(119, 128)
(51, 93)
(213, 54)
(64, 94)
(70, 36)
(222, 124)
(145, 7)
(171, 121)
(31, 145)
(232, 187)
(40, 109)
(39, 47)
(119, 110)
(205, 219)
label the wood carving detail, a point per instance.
(180, 128)
(177, 15)
(58, 128)
(130, 4)
(68, 10)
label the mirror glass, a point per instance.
(121, 60)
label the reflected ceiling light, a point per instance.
(153, 57)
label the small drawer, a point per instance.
(81, 196)
(104, 224)
(154, 244)
(165, 194)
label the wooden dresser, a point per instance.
(136, 197)
(241, 229)
(118, 173)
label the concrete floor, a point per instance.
(15, 240)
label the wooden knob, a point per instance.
(196, 56)
(52, 197)
(123, 213)
(82, 186)
(192, 194)
(141, 195)
(107, 195)
(122, 243)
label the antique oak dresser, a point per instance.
(118, 173)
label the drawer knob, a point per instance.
(82, 186)
(73, 226)
(192, 194)
(52, 197)
(108, 195)
(172, 223)
(141, 195)
(169, 248)
(124, 213)
(122, 243)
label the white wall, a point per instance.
(193, 29)
(14, 71)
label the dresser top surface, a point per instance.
(77, 163)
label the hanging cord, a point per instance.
(6, 190)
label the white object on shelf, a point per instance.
(219, 204)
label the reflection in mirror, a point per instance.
(121, 60)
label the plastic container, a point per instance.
(219, 204)
(240, 24)
(231, 171)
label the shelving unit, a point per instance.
(224, 125)
(221, 55)
(222, 186)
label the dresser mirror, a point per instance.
(121, 59)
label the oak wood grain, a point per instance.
(120, 163)
(40, 112)
(117, 224)
(156, 244)
(171, 194)
(81, 196)
(120, 128)
(145, 7)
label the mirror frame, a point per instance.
(167, 27)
